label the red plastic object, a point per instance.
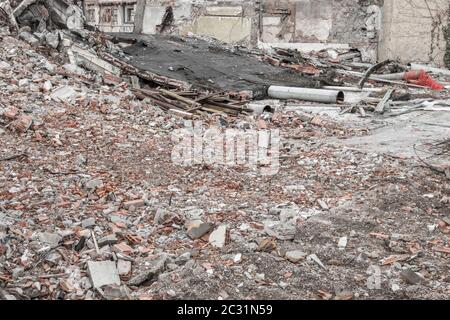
(411, 75)
(422, 78)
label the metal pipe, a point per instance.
(315, 95)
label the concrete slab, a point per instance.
(103, 273)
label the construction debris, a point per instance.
(93, 206)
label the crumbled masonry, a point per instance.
(93, 205)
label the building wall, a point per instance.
(273, 21)
(337, 22)
(407, 30)
(413, 30)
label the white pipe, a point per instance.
(353, 89)
(315, 95)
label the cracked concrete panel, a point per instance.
(314, 19)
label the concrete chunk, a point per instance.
(123, 267)
(134, 203)
(107, 240)
(28, 37)
(64, 93)
(217, 237)
(103, 273)
(411, 277)
(198, 229)
(49, 238)
(86, 223)
(295, 256)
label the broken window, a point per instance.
(108, 14)
(128, 15)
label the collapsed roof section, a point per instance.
(209, 65)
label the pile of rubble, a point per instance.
(91, 207)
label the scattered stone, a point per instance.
(23, 123)
(107, 240)
(182, 259)
(115, 292)
(323, 204)
(343, 293)
(17, 272)
(53, 258)
(217, 238)
(281, 231)
(118, 219)
(123, 267)
(266, 245)
(133, 203)
(71, 68)
(80, 244)
(342, 243)
(5, 222)
(4, 295)
(194, 214)
(24, 82)
(86, 223)
(295, 256)
(150, 274)
(50, 238)
(52, 39)
(47, 86)
(93, 184)
(103, 273)
(411, 277)
(123, 248)
(29, 38)
(160, 215)
(80, 160)
(313, 257)
(198, 229)
(395, 287)
(4, 66)
(65, 93)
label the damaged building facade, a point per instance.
(111, 15)
(380, 29)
